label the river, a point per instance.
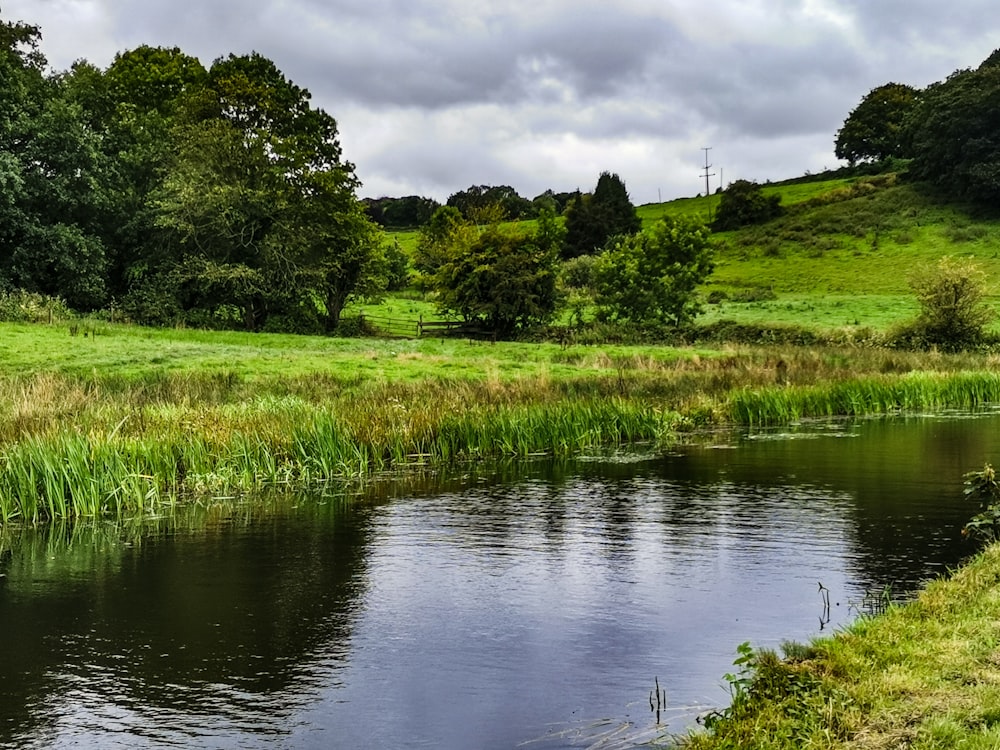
(533, 606)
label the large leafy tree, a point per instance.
(591, 220)
(955, 132)
(652, 277)
(50, 172)
(136, 106)
(874, 130)
(263, 205)
(505, 281)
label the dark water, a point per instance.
(532, 607)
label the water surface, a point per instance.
(532, 605)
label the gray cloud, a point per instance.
(435, 95)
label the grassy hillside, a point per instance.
(840, 257)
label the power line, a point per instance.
(708, 190)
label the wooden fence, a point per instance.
(401, 328)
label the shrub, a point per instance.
(744, 203)
(578, 273)
(953, 312)
(19, 306)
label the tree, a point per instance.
(263, 207)
(743, 203)
(955, 132)
(558, 202)
(446, 236)
(50, 172)
(505, 281)
(483, 204)
(653, 276)
(953, 310)
(591, 220)
(407, 212)
(874, 130)
(137, 106)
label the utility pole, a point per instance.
(708, 193)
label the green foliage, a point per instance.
(505, 281)
(19, 306)
(874, 130)
(578, 273)
(955, 131)
(953, 313)
(52, 178)
(592, 220)
(446, 235)
(195, 195)
(982, 488)
(652, 277)
(743, 203)
(483, 204)
(407, 212)
(262, 206)
(397, 268)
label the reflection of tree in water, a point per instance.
(218, 623)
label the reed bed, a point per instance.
(879, 394)
(85, 446)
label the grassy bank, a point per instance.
(924, 676)
(129, 419)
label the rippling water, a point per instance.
(492, 612)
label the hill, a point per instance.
(841, 255)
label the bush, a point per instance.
(578, 273)
(744, 203)
(953, 312)
(19, 306)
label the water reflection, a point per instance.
(536, 602)
(201, 628)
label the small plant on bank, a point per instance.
(982, 487)
(767, 687)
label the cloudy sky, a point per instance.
(433, 96)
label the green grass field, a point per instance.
(841, 256)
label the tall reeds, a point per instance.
(72, 447)
(877, 394)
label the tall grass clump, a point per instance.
(877, 394)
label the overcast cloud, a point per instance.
(433, 96)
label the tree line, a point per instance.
(213, 195)
(219, 196)
(949, 131)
